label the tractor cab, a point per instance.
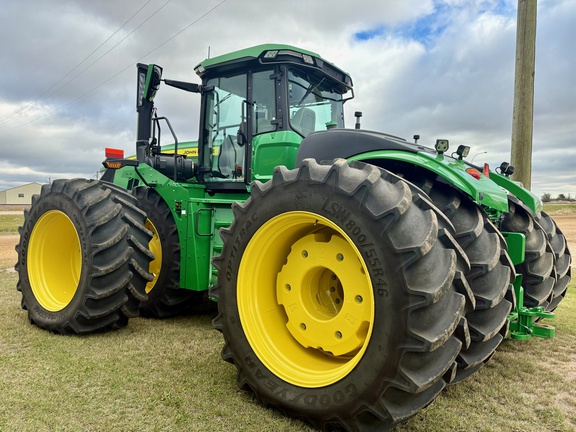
(257, 106)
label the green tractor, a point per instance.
(356, 274)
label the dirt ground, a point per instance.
(568, 226)
(8, 254)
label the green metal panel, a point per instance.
(484, 191)
(516, 243)
(518, 190)
(271, 150)
(198, 217)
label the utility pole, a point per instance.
(523, 116)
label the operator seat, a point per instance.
(304, 121)
(231, 156)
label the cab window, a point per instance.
(225, 115)
(314, 104)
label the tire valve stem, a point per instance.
(303, 326)
(338, 335)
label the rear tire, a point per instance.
(82, 257)
(490, 277)
(562, 260)
(337, 296)
(165, 297)
(538, 274)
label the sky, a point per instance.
(437, 68)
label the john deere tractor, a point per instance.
(356, 274)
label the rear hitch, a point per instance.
(523, 323)
(523, 320)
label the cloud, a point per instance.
(442, 68)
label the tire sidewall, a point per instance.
(59, 202)
(380, 360)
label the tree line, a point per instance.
(561, 197)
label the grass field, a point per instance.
(560, 209)
(9, 223)
(168, 376)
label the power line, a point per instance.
(123, 70)
(41, 98)
(183, 30)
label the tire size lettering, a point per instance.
(342, 215)
(339, 213)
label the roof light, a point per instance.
(441, 145)
(486, 170)
(506, 169)
(271, 54)
(462, 152)
(308, 59)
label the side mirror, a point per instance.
(149, 77)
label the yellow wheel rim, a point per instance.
(305, 299)
(54, 260)
(156, 248)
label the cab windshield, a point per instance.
(314, 103)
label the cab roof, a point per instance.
(270, 54)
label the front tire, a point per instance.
(82, 257)
(337, 296)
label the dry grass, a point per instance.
(151, 376)
(560, 209)
(9, 223)
(168, 375)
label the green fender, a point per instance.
(484, 190)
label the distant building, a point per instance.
(20, 194)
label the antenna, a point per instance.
(208, 51)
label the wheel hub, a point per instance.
(311, 286)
